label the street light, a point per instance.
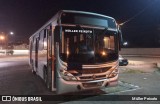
(2, 37)
(11, 33)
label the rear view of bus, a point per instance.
(85, 50)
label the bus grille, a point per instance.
(93, 71)
(95, 84)
(96, 77)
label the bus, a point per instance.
(75, 51)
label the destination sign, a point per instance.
(78, 31)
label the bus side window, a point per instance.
(33, 46)
(49, 32)
(45, 40)
(41, 38)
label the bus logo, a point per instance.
(94, 76)
(6, 98)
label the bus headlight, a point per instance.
(67, 76)
(113, 73)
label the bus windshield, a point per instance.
(86, 19)
(88, 46)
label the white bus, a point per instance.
(76, 51)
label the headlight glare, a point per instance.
(67, 76)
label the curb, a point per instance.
(158, 65)
(154, 56)
(139, 63)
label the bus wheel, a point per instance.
(33, 72)
(32, 67)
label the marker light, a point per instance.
(103, 53)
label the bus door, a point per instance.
(57, 34)
(50, 60)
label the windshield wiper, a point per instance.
(88, 35)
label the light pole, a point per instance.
(7, 38)
(2, 38)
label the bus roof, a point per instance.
(58, 15)
(83, 12)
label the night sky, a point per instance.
(24, 17)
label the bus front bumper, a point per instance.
(64, 86)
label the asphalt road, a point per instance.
(16, 79)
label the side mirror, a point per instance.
(57, 33)
(120, 39)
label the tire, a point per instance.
(34, 73)
(32, 68)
